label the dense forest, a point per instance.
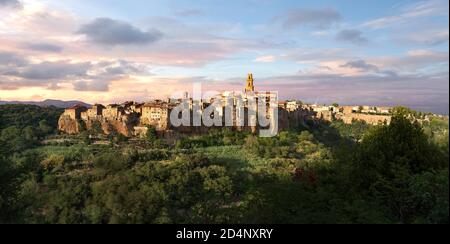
(318, 173)
(28, 115)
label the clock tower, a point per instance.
(250, 86)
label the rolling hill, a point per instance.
(48, 103)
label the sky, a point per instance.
(353, 52)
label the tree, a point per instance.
(386, 159)
(305, 136)
(151, 134)
(111, 162)
(429, 195)
(7, 189)
(28, 115)
(96, 128)
(29, 133)
(53, 161)
(13, 141)
(120, 138)
(152, 137)
(10, 133)
(45, 128)
(85, 137)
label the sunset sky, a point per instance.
(348, 51)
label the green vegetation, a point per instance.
(28, 115)
(328, 173)
(23, 126)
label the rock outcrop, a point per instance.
(69, 125)
(120, 127)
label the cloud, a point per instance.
(415, 61)
(44, 47)
(348, 63)
(97, 86)
(430, 92)
(10, 3)
(54, 70)
(314, 55)
(316, 18)
(114, 32)
(320, 33)
(11, 59)
(185, 44)
(361, 65)
(351, 36)
(189, 13)
(37, 22)
(17, 72)
(266, 59)
(429, 37)
(120, 69)
(412, 12)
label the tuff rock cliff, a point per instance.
(72, 126)
(69, 125)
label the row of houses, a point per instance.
(369, 114)
(133, 118)
(155, 113)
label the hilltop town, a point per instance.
(133, 119)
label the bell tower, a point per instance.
(250, 86)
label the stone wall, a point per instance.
(368, 118)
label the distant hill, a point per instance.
(48, 103)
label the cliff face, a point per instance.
(120, 127)
(125, 125)
(71, 126)
(68, 125)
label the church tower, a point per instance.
(250, 86)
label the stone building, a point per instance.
(325, 115)
(95, 111)
(293, 105)
(368, 118)
(369, 114)
(75, 112)
(137, 107)
(112, 111)
(156, 114)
